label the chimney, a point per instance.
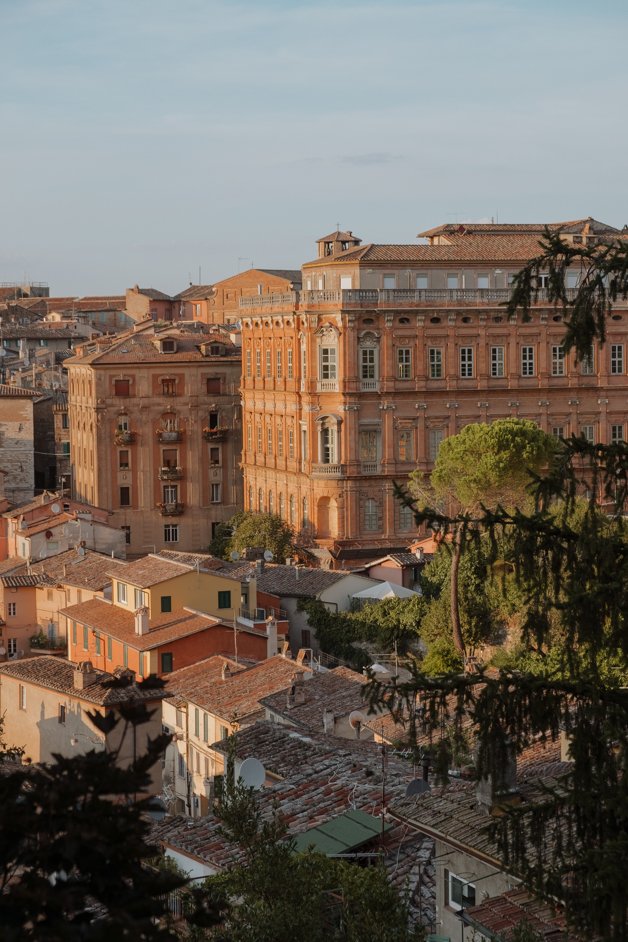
(329, 720)
(141, 621)
(271, 635)
(494, 791)
(299, 688)
(84, 675)
(259, 567)
(226, 672)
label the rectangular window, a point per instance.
(139, 598)
(109, 648)
(368, 445)
(127, 534)
(205, 728)
(482, 282)
(291, 443)
(588, 433)
(466, 362)
(62, 713)
(434, 438)
(180, 764)
(269, 440)
(421, 282)
(170, 493)
(168, 387)
(22, 697)
(12, 646)
(617, 359)
(171, 533)
(214, 455)
(121, 387)
(269, 368)
(527, 361)
(213, 385)
(371, 515)
(98, 645)
(248, 363)
(166, 662)
(406, 518)
(404, 446)
(258, 364)
(390, 282)
(259, 439)
(452, 282)
(165, 603)
(224, 599)
(85, 638)
(279, 364)
(306, 638)
(558, 360)
(280, 441)
(558, 431)
(65, 449)
(290, 364)
(435, 358)
(125, 496)
(404, 363)
(328, 446)
(65, 421)
(587, 364)
(461, 893)
(12, 609)
(197, 722)
(367, 363)
(497, 361)
(121, 592)
(125, 655)
(216, 495)
(123, 459)
(328, 363)
(617, 434)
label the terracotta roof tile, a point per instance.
(89, 571)
(339, 691)
(150, 570)
(55, 673)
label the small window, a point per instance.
(121, 592)
(125, 496)
(205, 728)
(109, 648)
(123, 459)
(213, 383)
(558, 360)
(421, 282)
(435, 357)
(617, 434)
(527, 361)
(224, 600)
(85, 638)
(390, 282)
(12, 609)
(497, 362)
(587, 364)
(65, 421)
(452, 282)
(306, 638)
(22, 697)
(139, 598)
(171, 533)
(404, 363)
(216, 495)
(617, 359)
(461, 893)
(435, 437)
(121, 387)
(168, 387)
(466, 362)
(558, 431)
(127, 534)
(214, 453)
(166, 662)
(588, 433)
(62, 713)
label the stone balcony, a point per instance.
(170, 474)
(123, 436)
(328, 470)
(216, 434)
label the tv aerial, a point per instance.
(252, 773)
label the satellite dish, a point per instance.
(55, 508)
(252, 773)
(3, 650)
(378, 669)
(356, 719)
(269, 556)
(234, 556)
(418, 786)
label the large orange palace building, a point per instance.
(352, 382)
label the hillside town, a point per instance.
(141, 434)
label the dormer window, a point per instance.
(216, 350)
(168, 346)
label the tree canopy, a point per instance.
(262, 531)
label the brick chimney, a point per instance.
(141, 621)
(299, 688)
(226, 672)
(495, 791)
(84, 675)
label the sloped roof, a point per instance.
(150, 570)
(499, 228)
(339, 236)
(89, 571)
(498, 916)
(339, 691)
(296, 582)
(55, 673)
(138, 346)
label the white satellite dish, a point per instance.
(252, 773)
(55, 508)
(234, 556)
(356, 718)
(269, 556)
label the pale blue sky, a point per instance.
(141, 139)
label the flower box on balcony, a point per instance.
(169, 434)
(173, 509)
(124, 437)
(170, 474)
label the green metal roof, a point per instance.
(342, 834)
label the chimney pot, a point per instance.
(141, 621)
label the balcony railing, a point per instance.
(174, 509)
(369, 385)
(369, 467)
(124, 437)
(329, 470)
(216, 434)
(169, 434)
(327, 385)
(170, 474)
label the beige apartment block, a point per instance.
(353, 382)
(17, 455)
(155, 433)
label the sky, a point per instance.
(152, 141)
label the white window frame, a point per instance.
(617, 433)
(290, 364)
(466, 362)
(216, 493)
(617, 359)
(588, 433)
(558, 359)
(279, 363)
(435, 362)
(434, 438)
(121, 593)
(498, 362)
(528, 365)
(328, 363)
(329, 445)
(368, 363)
(171, 533)
(371, 515)
(466, 886)
(587, 364)
(404, 362)
(11, 609)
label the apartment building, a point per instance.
(352, 382)
(155, 433)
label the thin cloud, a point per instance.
(376, 158)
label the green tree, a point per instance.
(75, 846)
(484, 465)
(278, 895)
(263, 531)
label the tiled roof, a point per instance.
(208, 563)
(498, 916)
(55, 673)
(20, 582)
(140, 346)
(154, 294)
(461, 228)
(296, 582)
(150, 570)
(290, 274)
(18, 392)
(119, 623)
(238, 695)
(338, 690)
(339, 236)
(195, 292)
(88, 571)
(191, 682)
